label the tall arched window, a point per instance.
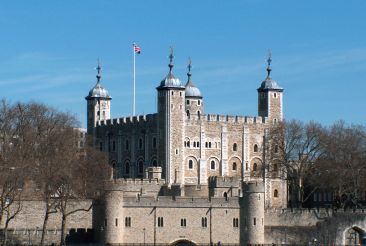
(127, 145)
(155, 163)
(154, 143)
(188, 114)
(254, 167)
(255, 148)
(275, 193)
(199, 114)
(235, 147)
(234, 166)
(140, 143)
(213, 165)
(190, 164)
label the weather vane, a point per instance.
(189, 66)
(269, 60)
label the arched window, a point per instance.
(235, 147)
(199, 102)
(141, 167)
(275, 193)
(213, 164)
(254, 167)
(234, 166)
(187, 102)
(127, 167)
(127, 145)
(188, 114)
(188, 143)
(225, 195)
(140, 143)
(190, 164)
(255, 148)
(154, 143)
(194, 144)
(209, 144)
(155, 163)
(198, 144)
(199, 114)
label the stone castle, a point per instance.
(182, 176)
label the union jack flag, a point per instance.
(137, 48)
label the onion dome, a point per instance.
(191, 90)
(98, 91)
(170, 81)
(269, 83)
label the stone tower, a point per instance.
(194, 102)
(171, 114)
(270, 97)
(114, 219)
(252, 213)
(98, 104)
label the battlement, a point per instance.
(128, 120)
(230, 118)
(179, 201)
(328, 211)
(116, 183)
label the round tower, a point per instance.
(114, 220)
(194, 102)
(270, 96)
(98, 104)
(252, 215)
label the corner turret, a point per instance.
(194, 102)
(98, 103)
(171, 96)
(270, 97)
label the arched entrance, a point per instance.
(183, 242)
(353, 236)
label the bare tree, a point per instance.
(342, 168)
(13, 156)
(81, 173)
(295, 146)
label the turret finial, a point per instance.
(269, 60)
(171, 56)
(189, 67)
(99, 70)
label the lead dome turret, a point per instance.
(98, 91)
(191, 89)
(170, 81)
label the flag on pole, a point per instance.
(137, 48)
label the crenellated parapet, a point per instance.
(138, 119)
(229, 118)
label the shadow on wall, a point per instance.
(79, 236)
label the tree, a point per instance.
(295, 146)
(342, 168)
(81, 171)
(14, 154)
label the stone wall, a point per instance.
(27, 225)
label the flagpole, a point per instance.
(134, 79)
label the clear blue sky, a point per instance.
(49, 51)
